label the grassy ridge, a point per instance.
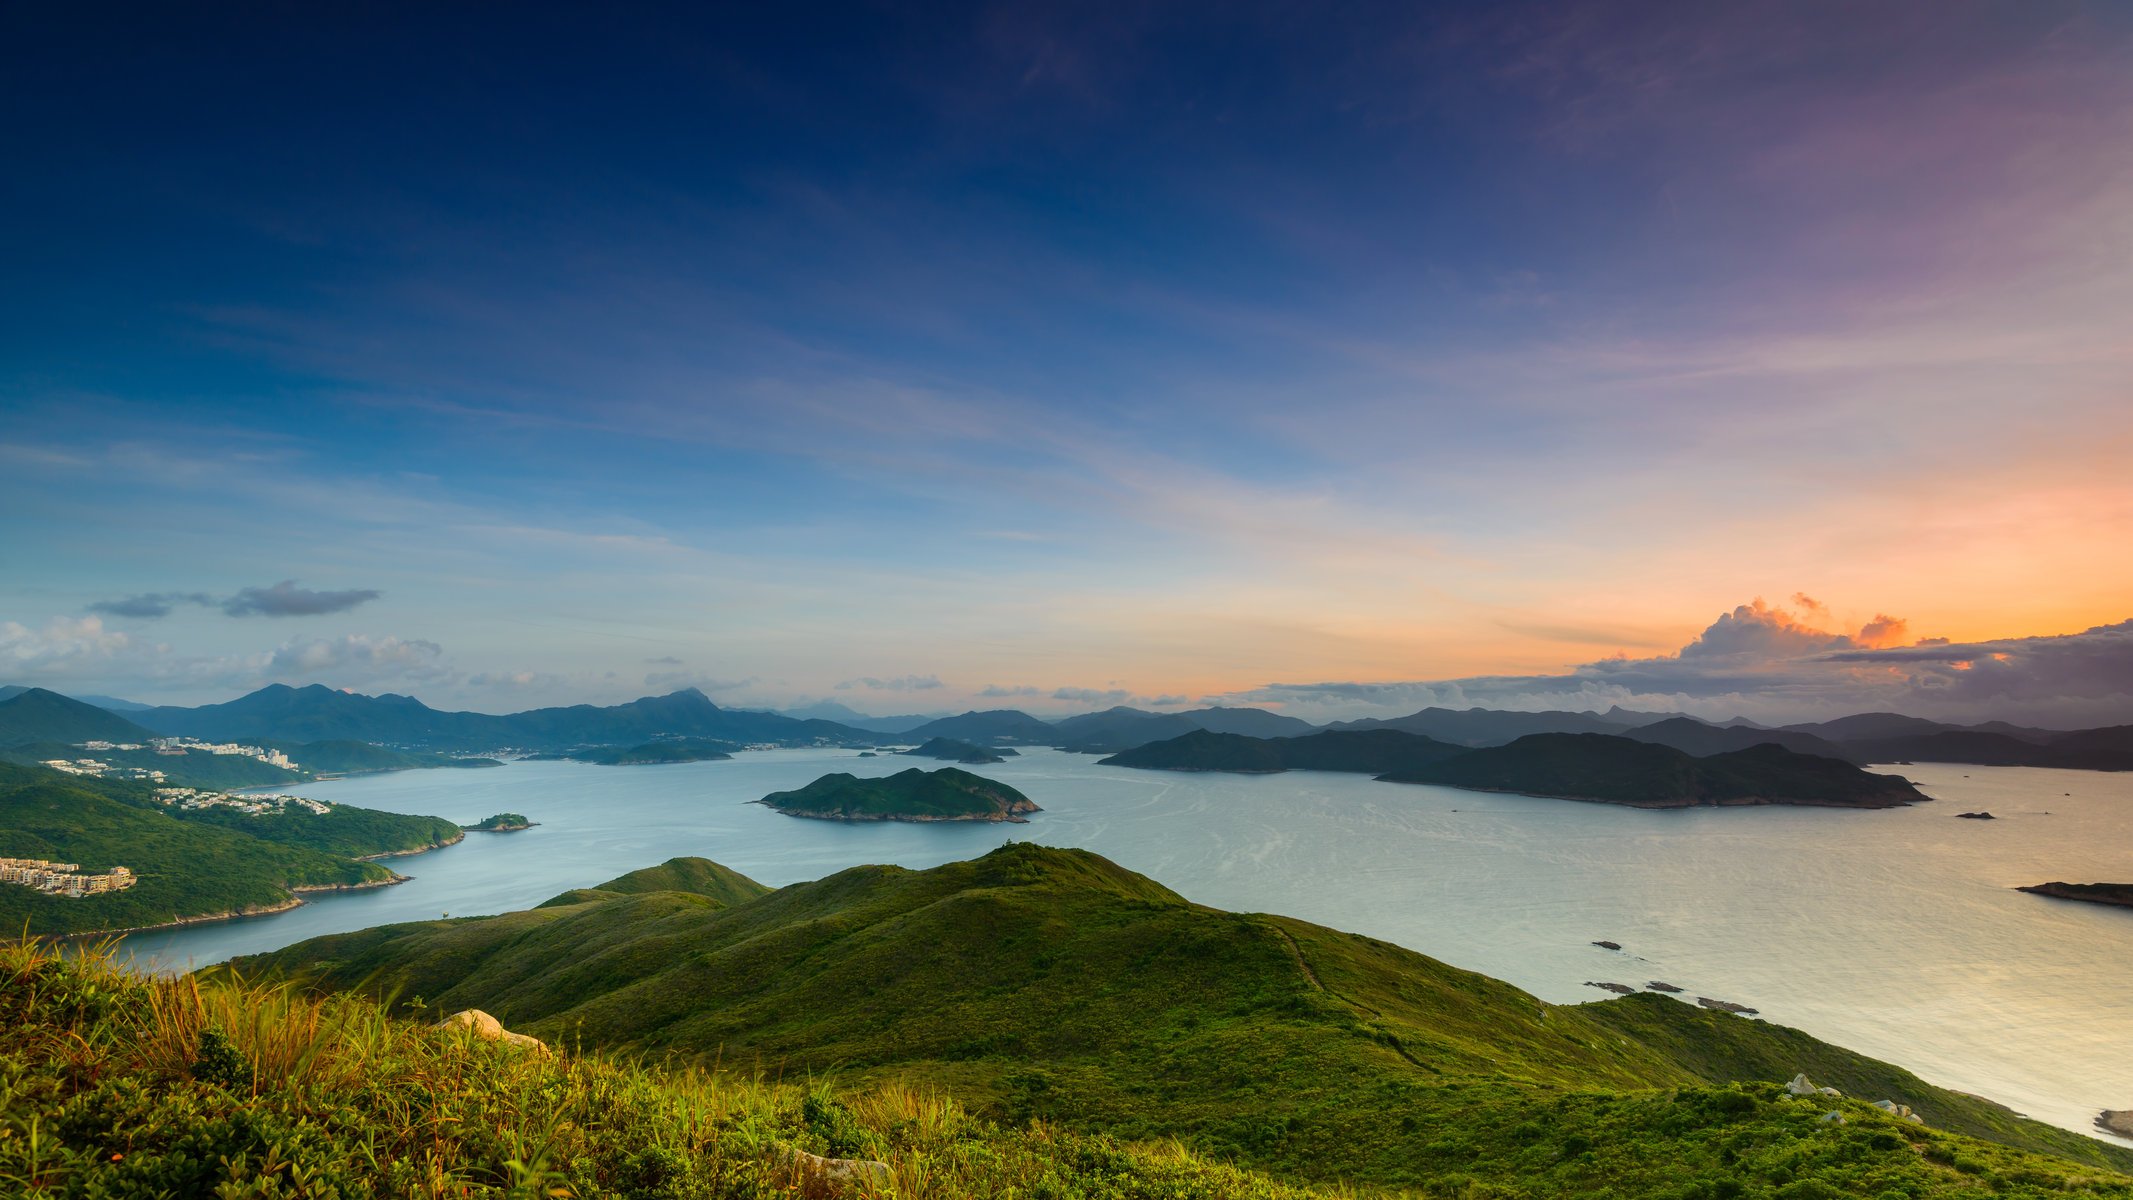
(1053, 985)
(342, 829)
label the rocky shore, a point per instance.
(249, 910)
(2120, 894)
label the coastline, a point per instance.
(456, 839)
(295, 900)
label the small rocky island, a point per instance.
(914, 795)
(502, 823)
(951, 750)
(2095, 893)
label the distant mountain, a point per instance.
(1251, 722)
(1116, 729)
(1693, 737)
(36, 715)
(951, 750)
(1490, 726)
(318, 713)
(1371, 751)
(665, 751)
(1862, 726)
(830, 710)
(1618, 770)
(984, 728)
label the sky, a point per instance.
(1761, 358)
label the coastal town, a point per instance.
(63, 879)
(194, 798)
(167, 747)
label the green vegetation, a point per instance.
(1373, 751)
(197, 769)
(952, 750)
(123, 1086)
(1044, 985)
(506, 822)
(36, 715)
(342, 829)
(363, 758)
(1616, 770)
(670, 750)
(186, 868)
(913, 795)
(2094, 893)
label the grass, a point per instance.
(1052, 986)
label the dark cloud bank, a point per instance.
(284, 599)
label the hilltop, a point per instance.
(951, 750)
(1053, 984)
(36, 715)
(913, 795)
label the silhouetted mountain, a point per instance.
(1251, 722)
(1863, 726)
(1693, 737)
(1488, 726)
(1115, 729)
(830, 710)
(1618, 770)
(1371, 751)
(2087, 750)
(36, 715)
(982, 728)
(317, 713)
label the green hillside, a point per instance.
(913, 795)
(342, 829)
(186, 868)
(36, 715)
(695, 876)
(1048, 984)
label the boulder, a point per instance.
(1902, 1111)
(486, 1026)
(1832, 1117)
(1608, 945)
(1977, 816)
(825, 1178)
(1801, 1085)
(1619, 989)
(1659, 985)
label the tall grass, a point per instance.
(113, 1084)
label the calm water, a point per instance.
(1895, 933)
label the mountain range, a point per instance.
(316, 713)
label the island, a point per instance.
(952, 750)
(913, 795)
(502, 823)
(2120, 894)
(1604, 769)
(666, 750)
(1569, 766)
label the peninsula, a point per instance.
(2120, 894)
(914, 795)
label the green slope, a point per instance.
(36, 715)
(186, 868)
(342, 829)
(1051, 983)
(912, 795)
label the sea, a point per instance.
(1897, 933)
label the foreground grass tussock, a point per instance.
(112, 1085)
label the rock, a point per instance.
(2116, 1120)
(1800, 1086)
(1608, 945)
(1832, 1117)
(1741, 1010)
(1899, 1110)
(486, 1026)
(817, 1176)
(1619, 989)
(1658, 986)
(1977, 816)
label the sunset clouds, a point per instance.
(1051, 354)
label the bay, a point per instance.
(1896, 933)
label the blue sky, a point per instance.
(1171, 353)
